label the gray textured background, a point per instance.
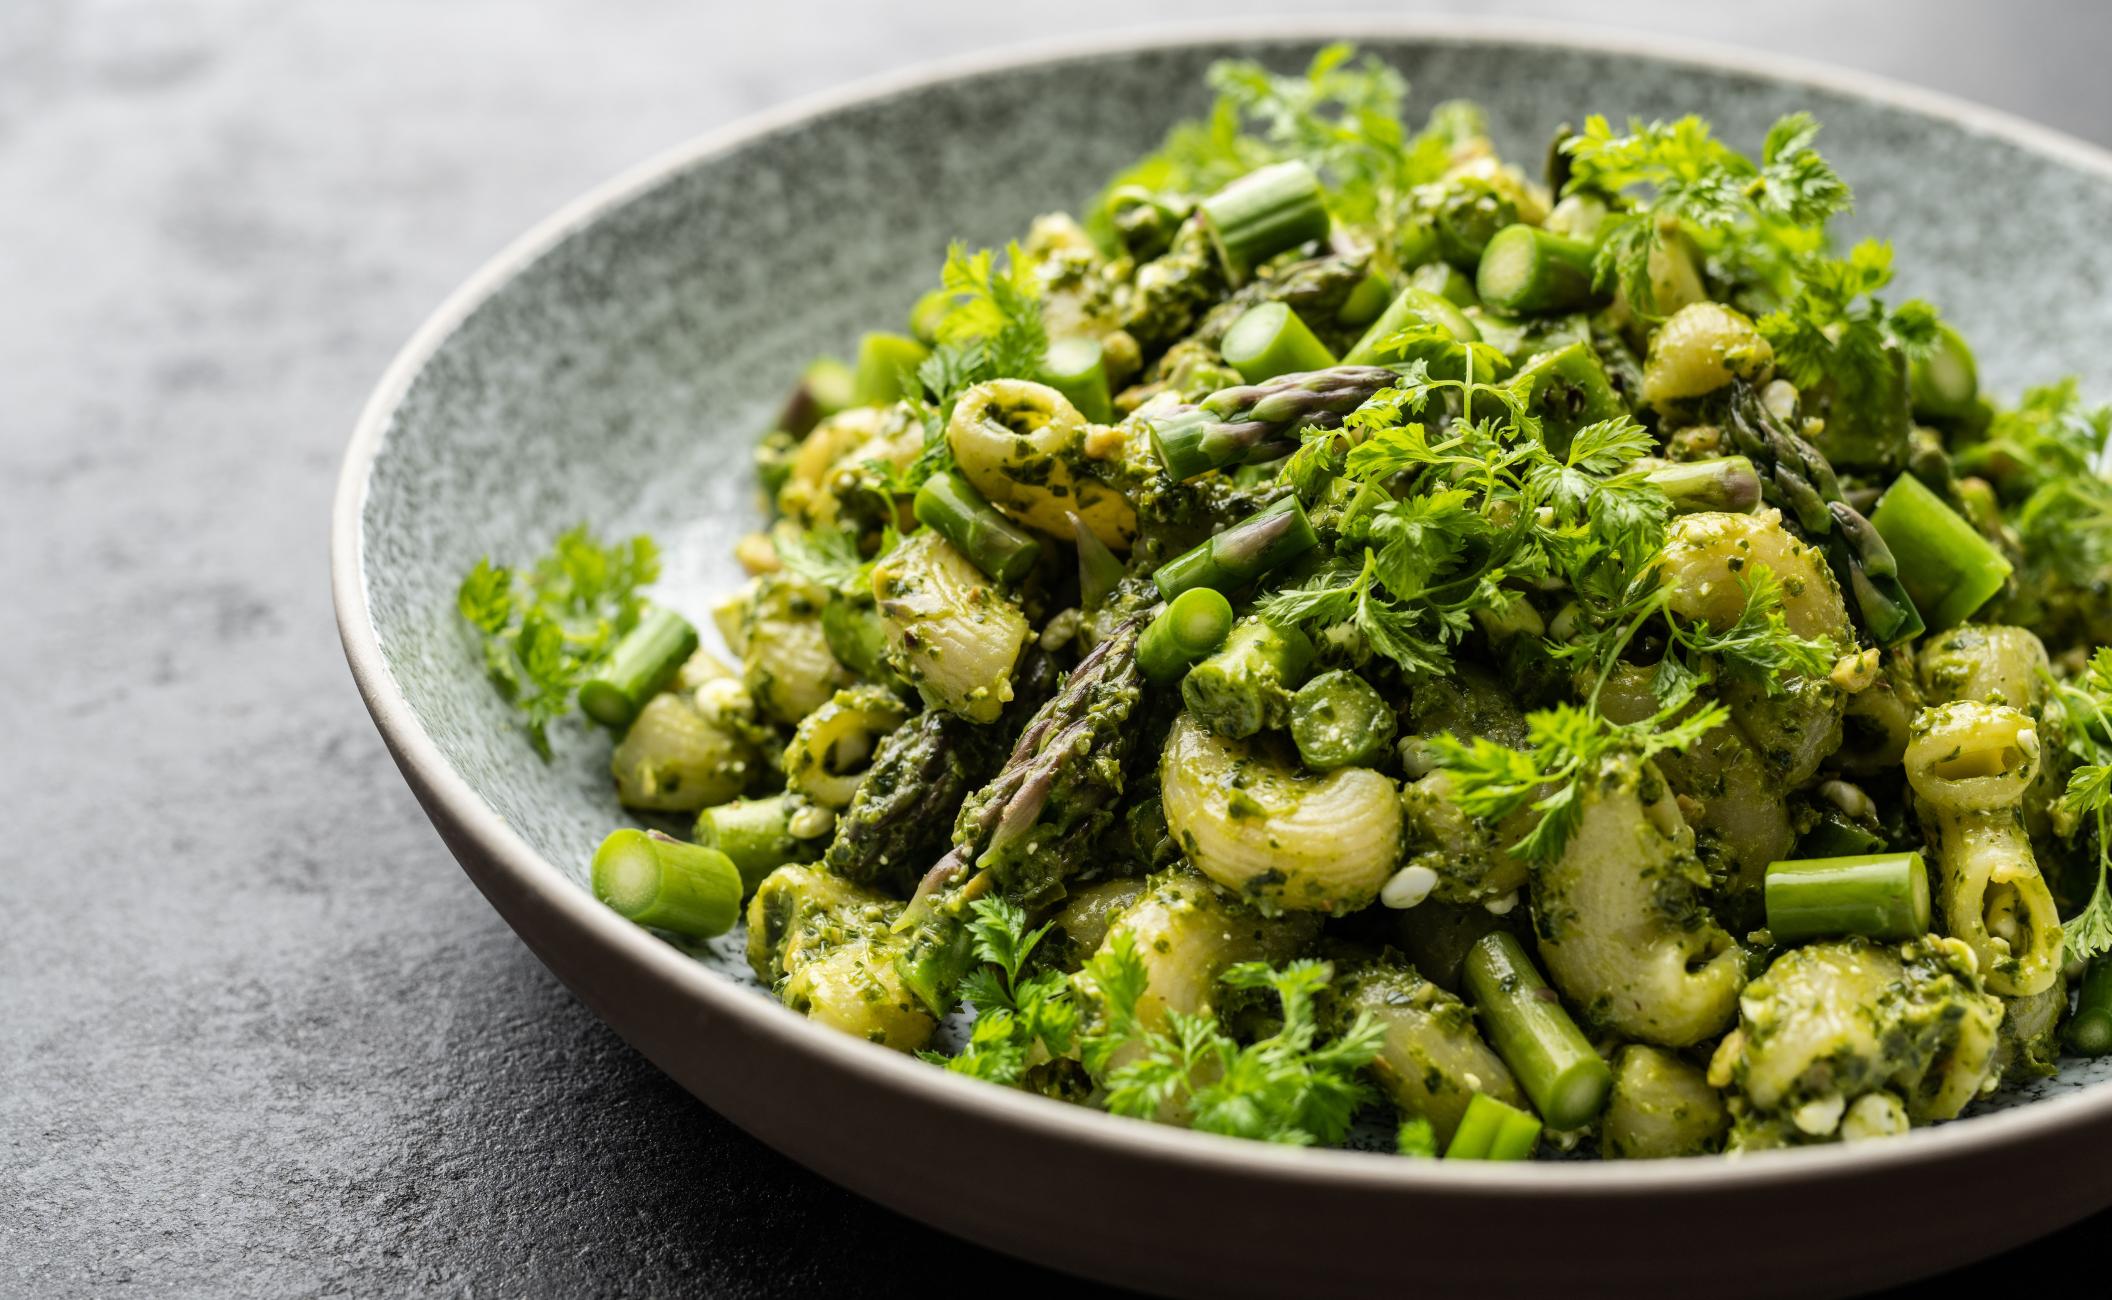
(258, 1035)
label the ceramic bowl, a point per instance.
(614, 366)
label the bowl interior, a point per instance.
(619, 376)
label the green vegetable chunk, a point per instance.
(1446, 281)
(949, 505)
(1527, 269)
(1723, 484)
(640, 667)
(1246, 686)
(1878, 896)
(1193, 624)
(1491, 1130)
(1568, 389)
(1526, 1023)
(760, 835)
(1257, 422)
(1270, 340)
(2089, 1031)
(1339, 720)
(1077, 368)
(1414, 309)
(658, 881)
(882, 361)
(1948, 568)
(1944, 379)
(1264, 213)
(1242, 553)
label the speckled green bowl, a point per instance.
(614, 365)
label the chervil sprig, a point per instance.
(1680, 177)
(1440, 522)
(1015, 1016)
(546, 630)
(1291, 1086)
(1342, 116)
(1565, 746)
(2085, 704)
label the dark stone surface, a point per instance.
(258, 1035)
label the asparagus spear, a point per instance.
(1077, 368)
(1191, 625)
(883, 359)
(1527, 269)
(1254, 422)
(1526, 1024)
(1492, 1130)
(1099, 572)
(1877, 896)
(1271, 340)
(1173, 289)
(761, 835)
(641, 664)
(1796, 479)
(2089, 1031)
(1241, 553)
(1949, 568)
(1329, 293)
(1723, 483)
(950, 506)
(1445, 280)
(661, 882)
(824, 388)
(1028, 828)
(1263, 213)
(1246, 686)
(901, 813)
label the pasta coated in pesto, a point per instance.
(1572, 699)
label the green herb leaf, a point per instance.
(1290, 1087)
(1565, 746)
(543, 632)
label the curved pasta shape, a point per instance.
(829, 751)
(1272, 834)
(1080, 926)
(1970, 766)
(805, 495)
(1730, 797)
(1707, 560)
(674, 758)
(1622, 925)
(1700, 348)
(2003, 665)
(1432, 1061)
(1986, 662)
(785, 659)
(949, 630)
(1023, 447)
(1831, 1022)
(823, 944)
(1878, 720)
(1187, 934)
(1661, 1106)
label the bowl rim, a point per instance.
(507, 852)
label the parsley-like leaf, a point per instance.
(543, 632)
(1754, 218)
(1565, 747)
(1291, 1087)
(1016, 1016)
(2085, 706)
